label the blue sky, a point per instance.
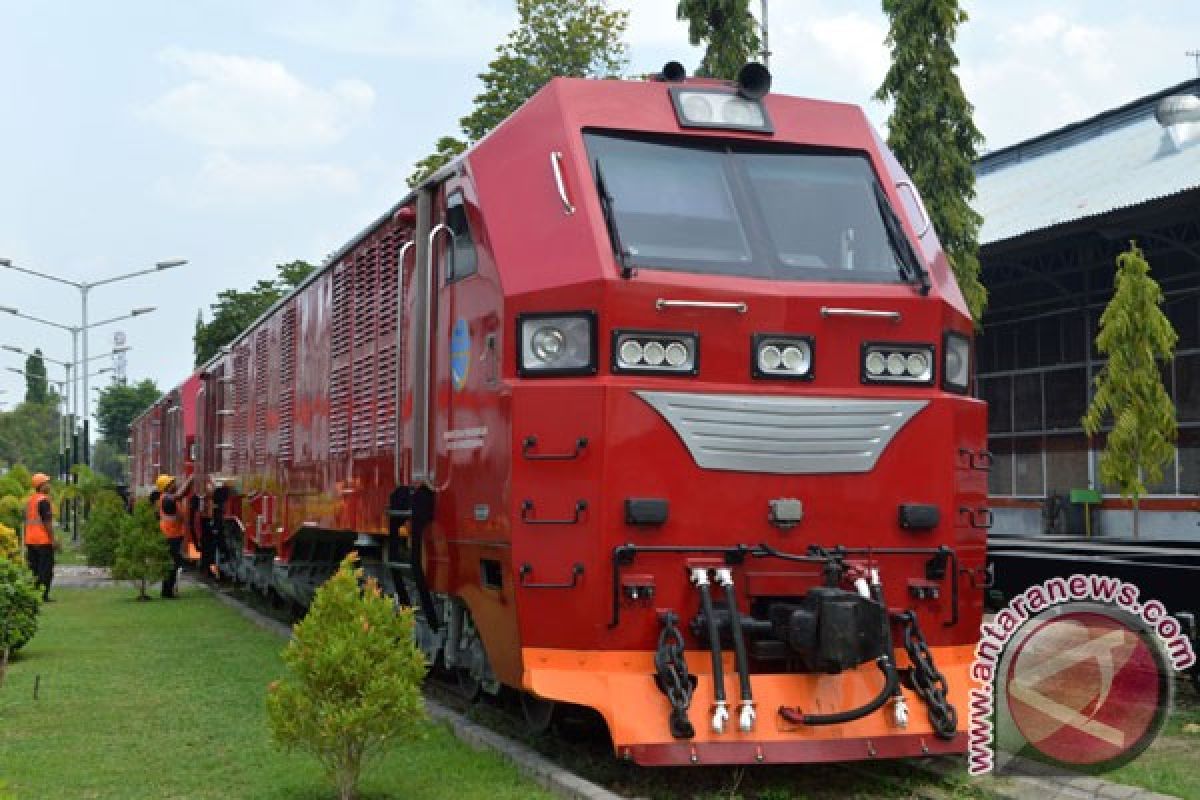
(239, 135)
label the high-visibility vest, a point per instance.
(35, 529)
(171, 525)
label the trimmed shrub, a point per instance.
(141, 554)
(19, 602)
(10, 545)
(103, 529)
(354, 687)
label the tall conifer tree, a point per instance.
(931, 130)
(727, 28)
(1136, 336)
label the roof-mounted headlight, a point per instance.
(719, 108)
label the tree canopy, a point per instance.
(553, 38)
(118, 405)
(37, 388)
(235, 310)
(729, 30)
(1135, 335)
(932, 132)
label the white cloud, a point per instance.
(233, 101)
(224, 180)
(430, 29)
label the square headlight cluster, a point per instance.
(888, 362)
(557, 344)
(783, 357)
(956, 368)
(655, 352)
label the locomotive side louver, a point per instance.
(783, 435)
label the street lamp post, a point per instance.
(75, 331)
(84, 287)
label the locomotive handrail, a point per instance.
(527, 569)
(829, 311)
(920, 207)
(530, 442)
(397, 468)
(738, 306)
(527, 514)
(556, 167)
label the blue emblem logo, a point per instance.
(460, 354)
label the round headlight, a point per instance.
(631, 352)
(696, 108)
(895, 364)
(796, 358)
(917, 364)
(770, 357)
(676, 354)
(654, 353)
(547, 344)
(875, 363)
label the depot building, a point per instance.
(1058, 209)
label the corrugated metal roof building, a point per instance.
(1057, 211)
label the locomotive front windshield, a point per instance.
(735, 209)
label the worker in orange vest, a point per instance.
(171, 523)
(39, 534)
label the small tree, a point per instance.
(141, 555)
(354, 687)
(1136, 335)
(103, 527)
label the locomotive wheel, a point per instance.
(538, 712)
(468, 687)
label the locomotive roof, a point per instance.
(579, 104)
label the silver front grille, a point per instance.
(784, 435)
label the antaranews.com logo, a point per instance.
(1076, 672)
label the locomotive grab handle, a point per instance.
(556, 167)
(662, 303)
(527, 514)
(981, 460)
(977, 517)
(531, 442)
(527, 569)
(829, 311)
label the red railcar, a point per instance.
(654, 401)
(162, 438)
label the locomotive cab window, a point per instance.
(744, 209)
(463, 260)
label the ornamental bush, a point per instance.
(103, 529)
(354, 683)
(10, 546)
(19, 601)
(141, 553)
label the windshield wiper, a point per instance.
(909, 263)
(610, 222)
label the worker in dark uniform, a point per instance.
(171, 522)
(39, 534)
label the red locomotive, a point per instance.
(654, 401)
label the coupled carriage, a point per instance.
(655, 401)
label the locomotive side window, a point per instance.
(464, 261)
(745, 210)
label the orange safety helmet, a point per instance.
(162, 482)
(39, 480)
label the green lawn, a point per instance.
(165, 700)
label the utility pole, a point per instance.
(1190, 54)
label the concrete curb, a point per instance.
(532, 765)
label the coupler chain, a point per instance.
(672, 676)
(929, 684)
